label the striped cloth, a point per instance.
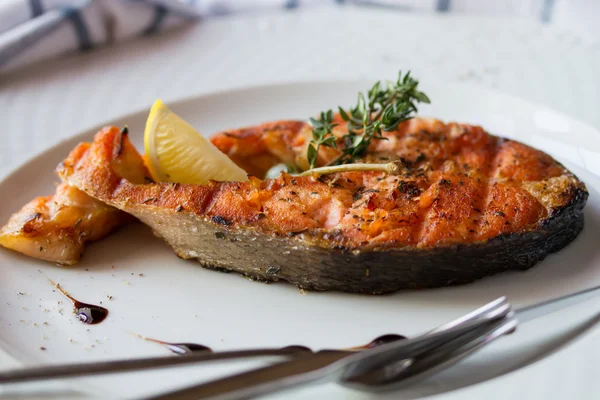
(33, 30)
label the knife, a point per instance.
(105, 367)
(312, 368)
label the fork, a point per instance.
(464, 334)
(82, 369)
(369, 372)
(118, 366)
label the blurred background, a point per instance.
(33, 30)
(69, 65)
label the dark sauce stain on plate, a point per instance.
(87, 313)
(178, 348)
(187, 348)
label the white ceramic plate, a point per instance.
(158, 295)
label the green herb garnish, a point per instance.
(383, 109)
(322, 135)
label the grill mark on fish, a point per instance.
(208, 199)
(419, 225)
(484, 177)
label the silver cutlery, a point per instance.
(372, 372)
(106, 367)
(326, 365)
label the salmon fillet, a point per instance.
(55, 228)
(468, 204)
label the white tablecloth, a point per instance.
(45, 103)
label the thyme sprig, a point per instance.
(391, 168)
(382, 110)
(322, 133)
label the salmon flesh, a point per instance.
(467, 204)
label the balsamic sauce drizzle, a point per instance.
(178, 348)
(186, 348)
(87, 313)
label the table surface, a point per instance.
(43, 104)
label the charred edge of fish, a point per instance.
(217, 268)
(217, 219)
(579, 197)
(124, 133)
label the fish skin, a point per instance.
(468, 205)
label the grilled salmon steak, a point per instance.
(466, 204)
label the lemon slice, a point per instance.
(176, 152)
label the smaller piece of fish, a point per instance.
(55, 228)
